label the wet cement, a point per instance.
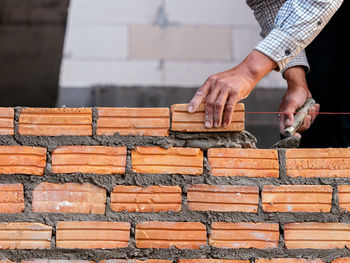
(203, 141)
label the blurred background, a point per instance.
(134, 53)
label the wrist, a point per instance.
(295, 77)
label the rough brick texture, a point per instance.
(317, 235)
(55, 121)
(223, 198)
(56, 261)
(167, 161)
(69, 198)
(89, 159)
(6, 121)
(22, 160)
(341, 260)
(135, 261)
(25, 236)
(243, 162)
(133, 121)
(212, 261)
(92, 235)
(182, 235)
(297, 198)
(182, 120)
(318, 162)
(149, 199)
(11, 198)
(344, 197)
(244, 235)
(289, 260)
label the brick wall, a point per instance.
(119, 185)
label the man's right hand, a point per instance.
(294, 99)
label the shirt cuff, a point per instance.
(298, 60)
(279, 46)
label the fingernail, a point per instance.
(207, 124)
(190, 108)
(288, 122)
(216, 124)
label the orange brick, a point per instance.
(55, 121)
(316, 235)
(22, 160)
(244, 235)
(25, 236)
(167, 161)
(341, 260)
(344, 197)
(89, 159)
(223, 198)
(92, 235)
(11, 198)
(69, 198)
(133, 121)
(135, 261)
(6, 121)
(56, 261)
(182, 235)
(289, 260)
(149, 199)
(318, 162)
(212, 261)
(6, 261)
(182, 120)
(244, 162)
(297, 198)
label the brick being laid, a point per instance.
(344, 197)
(243, 162)
(92, 234)
(318, 162)
(11, 198)
(289, 260)
(244, 235)
(182, 235)
(69, 198)
(297, 198)
(223, 198)
(89, 159)
(174, 160)
(148, 199)
(6, 121)
(135, 261)
(25, 236)
(316, 235)
(55, 121)
(22, 160)
(133, 121)
(183, 121)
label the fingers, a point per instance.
(219, 107)
(306, 124)
(209, 108)
(229, 109)
(310, 118)
(199, 97)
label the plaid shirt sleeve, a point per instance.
(296, 24)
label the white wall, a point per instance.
(156, 42)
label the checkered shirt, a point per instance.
(288, 26)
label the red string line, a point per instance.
(281, 112)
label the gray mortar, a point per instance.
(203, 141)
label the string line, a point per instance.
(281, 112)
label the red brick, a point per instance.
(135, 261)
(149, 199)
(244, 235)
(133, 121)
(344, 197)
(341, 260)
(22, 160)
(55, 121)
(167, 161)
(11, 198)
(92, 235)
(182, 120)
(89, 159)
(289, 260)
(212, 261)
(316, 235)
(69, 198)
(223, 198)
(182, 235)
(25, 236)
(318, 162)
(297, 198)
(56, 261)
(6, 121)
(6, 261)
(244, 162)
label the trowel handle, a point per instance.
(299, 117)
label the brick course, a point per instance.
(11, 198)
(6, 121)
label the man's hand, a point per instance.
(294, 99)
(221, 92)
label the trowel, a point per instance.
(290, 141)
